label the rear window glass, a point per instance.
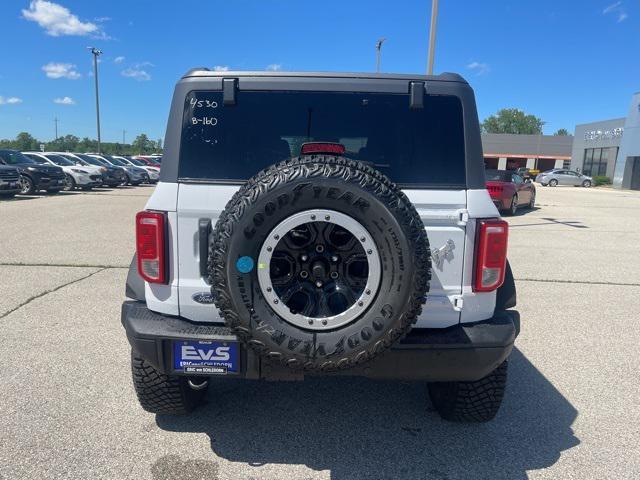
(498, 176)
(233, 142)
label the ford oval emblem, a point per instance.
(204, 298)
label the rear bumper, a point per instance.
(463, 352)
(502, 203)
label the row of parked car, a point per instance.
(26, 173)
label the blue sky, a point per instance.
(568, 62)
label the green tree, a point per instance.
(87, 145)
(562, 132)
(142, 144)
(68, 143)
(25, 141)
(512, 120)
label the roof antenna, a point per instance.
(378, 47)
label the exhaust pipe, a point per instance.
(198, 386)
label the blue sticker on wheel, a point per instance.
(206, 357)
(244, 264)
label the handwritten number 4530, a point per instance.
(195, 103)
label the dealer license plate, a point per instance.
(206, 357)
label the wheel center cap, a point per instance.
(318, 270)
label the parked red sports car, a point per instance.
(509, 191)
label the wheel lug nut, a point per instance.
(313, 217)
(334, 258)
(269, 249)
(276, 301)
(362, 239)
(304, 274)
(319, 284)
(304, 258)
(369, 252)
(360, 303)
(334, 275)
(368, 292)
(310, 322)
(269, 289)
(327, 217)
(276, 237)
(324, 322)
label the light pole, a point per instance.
(95, 52)
(432, 36)
(378, 48)
(55, 120)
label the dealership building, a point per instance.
(505, 151)
(610, 148)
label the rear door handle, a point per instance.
(204, 229)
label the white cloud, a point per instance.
(9, 100)
(118, 60)
(220, 68)
(61, 70)
(611, 8)
(479, 68)
(64, 101)
(136, 73)
(274, 67)
(618, 10)
(58, 20)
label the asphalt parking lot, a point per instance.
(68, 409)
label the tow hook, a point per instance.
(198, 386)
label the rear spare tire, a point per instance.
(319, 263)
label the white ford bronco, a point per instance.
(321, 224)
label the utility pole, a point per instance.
(96, 53)
(55, 120)
(123, 134)
(378, 48)
(432, 36)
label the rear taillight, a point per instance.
(491, 254)
(322, 147)
(150, 246)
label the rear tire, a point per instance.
(513, 207)
(586, 184)
(553, 182)
(477, 401)
(163, 394)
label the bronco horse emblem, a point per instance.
(443, 253)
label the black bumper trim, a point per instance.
(463, 352)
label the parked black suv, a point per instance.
(9, 181)
(33, 176)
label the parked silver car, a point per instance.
(559, 176)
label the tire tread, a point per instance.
(160, 393)
(477, 401)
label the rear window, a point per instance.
(420, 147)
(497, 176)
